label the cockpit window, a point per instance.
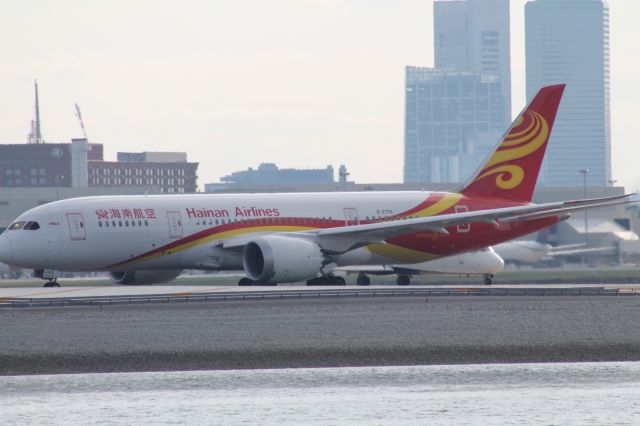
(31, 226)
(15, 226)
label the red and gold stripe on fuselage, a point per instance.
(409, 248)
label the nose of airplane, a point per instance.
(6, 251)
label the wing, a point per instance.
(345, 238)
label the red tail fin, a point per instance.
(511, 171)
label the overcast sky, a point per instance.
(303, 83)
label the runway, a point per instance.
(315, 331)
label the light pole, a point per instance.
(584, 173)
(57, 180)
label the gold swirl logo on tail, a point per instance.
(528, 134)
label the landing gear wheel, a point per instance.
(245, 281)
(403, 280)
(363, 280)
(327, 280)
(488, 279)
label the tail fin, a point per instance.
(511, 171)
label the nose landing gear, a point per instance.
(52, 282)
(49, 275)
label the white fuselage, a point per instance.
(104, 233)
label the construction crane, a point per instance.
(79, 115)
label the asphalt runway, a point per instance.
(319, 332)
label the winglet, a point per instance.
(511, 171)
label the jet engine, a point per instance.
(275, 259)
(144, 277)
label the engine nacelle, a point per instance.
(278, 259)
(144, 277)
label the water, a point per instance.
(492, 394)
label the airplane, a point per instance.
(530, 251)
(485, 262)
(293, 237)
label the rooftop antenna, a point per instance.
(35, 136)
(79, 115)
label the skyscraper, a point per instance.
(455, 112)
(452, 120)
(473, 35)
(567, 41)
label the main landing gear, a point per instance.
(363, 280)
(403, 280)
(327, 280)
(488, 279)
(244, 281)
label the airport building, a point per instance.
(270, 175)
(568, 42)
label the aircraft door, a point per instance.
(77, 226)
(464, 228)
(175, 224)
(351, 217)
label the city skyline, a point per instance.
(300, 83)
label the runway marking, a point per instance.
(42, 293)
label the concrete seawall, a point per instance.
(315, 333)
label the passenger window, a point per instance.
(15, 226)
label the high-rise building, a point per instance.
(567, 41)
(455, 112)
(473, 35)
(452, 120)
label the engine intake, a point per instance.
(144, 277)
(276, 259)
